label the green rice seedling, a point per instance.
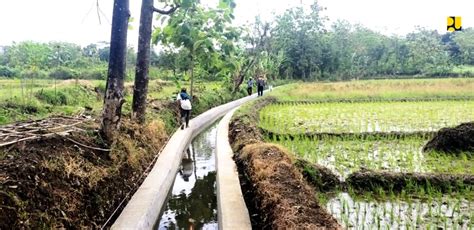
(376, 116)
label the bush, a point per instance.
(97, 73)
(63, 73)
(38, 74)
(64, 96)
(14, 110)
(52, 97)
(5, 71)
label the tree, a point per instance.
(104, 53)
(427, 53)
(113, 100)
(465, 41)
(205, 33)
(298, 34)
(140, 89)
(255, 41)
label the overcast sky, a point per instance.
(77, 21)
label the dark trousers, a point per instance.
(249, 90)
(260, 90)
(185, 114)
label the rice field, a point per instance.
(379, 90)
(439, 212)
(380, 125)
(425, 116)
(345, 155)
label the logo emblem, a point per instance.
(454, 23)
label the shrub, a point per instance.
(63, 73)
(98, 73)
(33, 73)
(64, 96)
(52, 97)
(5, 71)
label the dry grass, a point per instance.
(379, 89)
(137, 143)
(77, 167)
(285, 197)
(155, 131)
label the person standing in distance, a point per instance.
(260, 85)
(185, 107)
(249, 86)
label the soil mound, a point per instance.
(319, 176)
(453, 140)
(287, 201)
(368, 180)
(73, 182)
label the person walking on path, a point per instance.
(260, 85)
(249, 86)
(184, 107)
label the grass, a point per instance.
(360, 117)
(378, 90)
(40, 98)
(468, 69)
(24, 89)
(168, 90)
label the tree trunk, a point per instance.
(113, 99)
(240, 76)
(192, 76)
(140, 90)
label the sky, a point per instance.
(77, 21)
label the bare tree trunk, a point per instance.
(113, 99)
(192, 75)
(140, 90)
(240, 77)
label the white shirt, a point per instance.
(185, 104)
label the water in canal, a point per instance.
(192, 203)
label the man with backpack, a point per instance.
(185, 107)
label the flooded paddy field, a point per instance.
(397, 212)
(365, 117)
(371, 143)
(345, 155)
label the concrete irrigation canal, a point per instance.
(194, 182)
(192, 203)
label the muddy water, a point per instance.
(192, 203)
(437, 213)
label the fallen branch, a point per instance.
(34, 138)
(86, 146)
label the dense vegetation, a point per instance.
(299, 44)
(55, 60)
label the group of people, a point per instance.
(184, 100)
(260, 85)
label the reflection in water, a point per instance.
(186, 168)
(192, 203)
